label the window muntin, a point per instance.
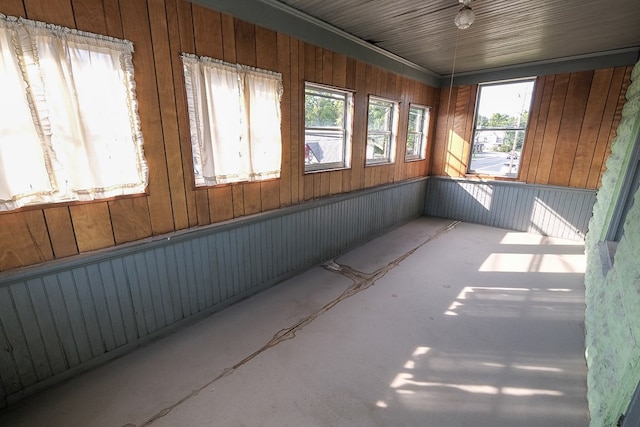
(500, 125)
(69, 99)
(327, 116)
(381, 130)
(417, 133)
(234, 114)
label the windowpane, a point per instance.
(416, 133)
(378, 146)
(380, 115)
(416, 117)
(381, 130)
(500, 126)
(413, 145)
(327, 127)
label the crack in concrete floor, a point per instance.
(361, 281)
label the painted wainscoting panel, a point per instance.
(548, 210)
(64, 317)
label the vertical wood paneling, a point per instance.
(162, 56)
(180, 27)
(161, 30)
(610, 120)
(565, 142)
(569, 131)
(136, 27)
(553, 211)
(51, 321)
(28, 236)
(590, 127)
(60, 231)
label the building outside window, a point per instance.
(382, 122)
(328, 116)
(502, 114)
(417, 133)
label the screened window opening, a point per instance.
(502, 114)
(417, 133)
(382, 119)
(234, 117)
(70, 128)
(327, 128)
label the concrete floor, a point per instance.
(436, 323)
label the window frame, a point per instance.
(526, 107)
(424, 133)
(392, 124)
(346, 130)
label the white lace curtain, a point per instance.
(234, 113)
(69, 128)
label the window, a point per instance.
(382, 121)
(69, 128)
(327, 128)
(501, 121)
(417, 133)
(234, 114)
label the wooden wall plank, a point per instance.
(92, 226)
(60, 229)
(13, 8)
(532, 125)
(130, 219)
(26, 233)
(590, 127)
(569, 132)
(112, 18)
(237, 192)
(163, 55)
(252, 198)
(283, 59)
(297, 135)
(617, 115)
(57, 12)
(228, 38)
(180, 28)
(90, 16)
(439, 149)
(537, 142)
(245, 42)
(360, 99)
(603, 144)
(554, 118)
(221, 205)
(136, 27)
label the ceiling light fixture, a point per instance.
(465, 17)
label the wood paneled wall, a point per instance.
(573, 120)
(160, 31)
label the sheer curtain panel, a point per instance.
(70, 129)
(234, 113)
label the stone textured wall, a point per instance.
(613, 296)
